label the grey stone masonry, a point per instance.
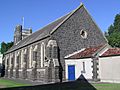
(95, 69)
(18, 34)
(68, 35)
(51, 44)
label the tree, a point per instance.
(113, 34)
(9, 45)
(110, 30)
(5, 46)
(117, 23)
(114, 39)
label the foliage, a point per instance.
(107, 86)
(10, 83)
(117, 23)
(5, 46)
(114, 39)
(110, 29)
(113, 34)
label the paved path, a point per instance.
(2, 86)
(26, 81)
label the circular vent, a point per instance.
(83, 34)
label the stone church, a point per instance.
(41, 55)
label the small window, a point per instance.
(17, 60)
(83, 71)
(83, 34)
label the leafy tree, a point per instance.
(113, 34)
(5, 46)
(117, 23)
(9, 45)
(114, 39)
(110, 29)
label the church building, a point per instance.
(43, 55)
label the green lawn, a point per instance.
(107, 86)
(9, 83)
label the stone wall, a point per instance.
(68, 34)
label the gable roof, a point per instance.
(42, 33)
(111, 52)
(86, 53)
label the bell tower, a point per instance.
(18, 34)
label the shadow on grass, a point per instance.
(80, 84)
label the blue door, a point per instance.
(71, 72)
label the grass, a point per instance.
(9, 83)
(110, 86)
(99, 86)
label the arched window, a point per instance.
(11, 61)
(21, 63)
(35, 56)
(25, 58)
(16, 61)
(7, 62)
(52, 52)
(42, 54)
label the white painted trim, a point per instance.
(75, 53)
(9, 61)
(36, 47)
(25, 51)
(20, 70)
(78, 67)
(6, 63)
(100, 54)
(18, 53)
(30, 57)
(29, 69)
(42, 54)
(15, 60)
(40, 70)
(22, 58)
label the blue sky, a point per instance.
(38, 13)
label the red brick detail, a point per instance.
(111, 52)
(88, 52)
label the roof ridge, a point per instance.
(100, 49)
(62, 18)
(74, 53)
(71, 13)
(96, 24)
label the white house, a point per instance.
(109, 65)
(100, 63)
(82, 62)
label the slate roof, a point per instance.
(86, 53)
(42, 33)
(111, 52)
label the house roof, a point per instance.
(86, 53)
(111, 52)
(42, 33)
